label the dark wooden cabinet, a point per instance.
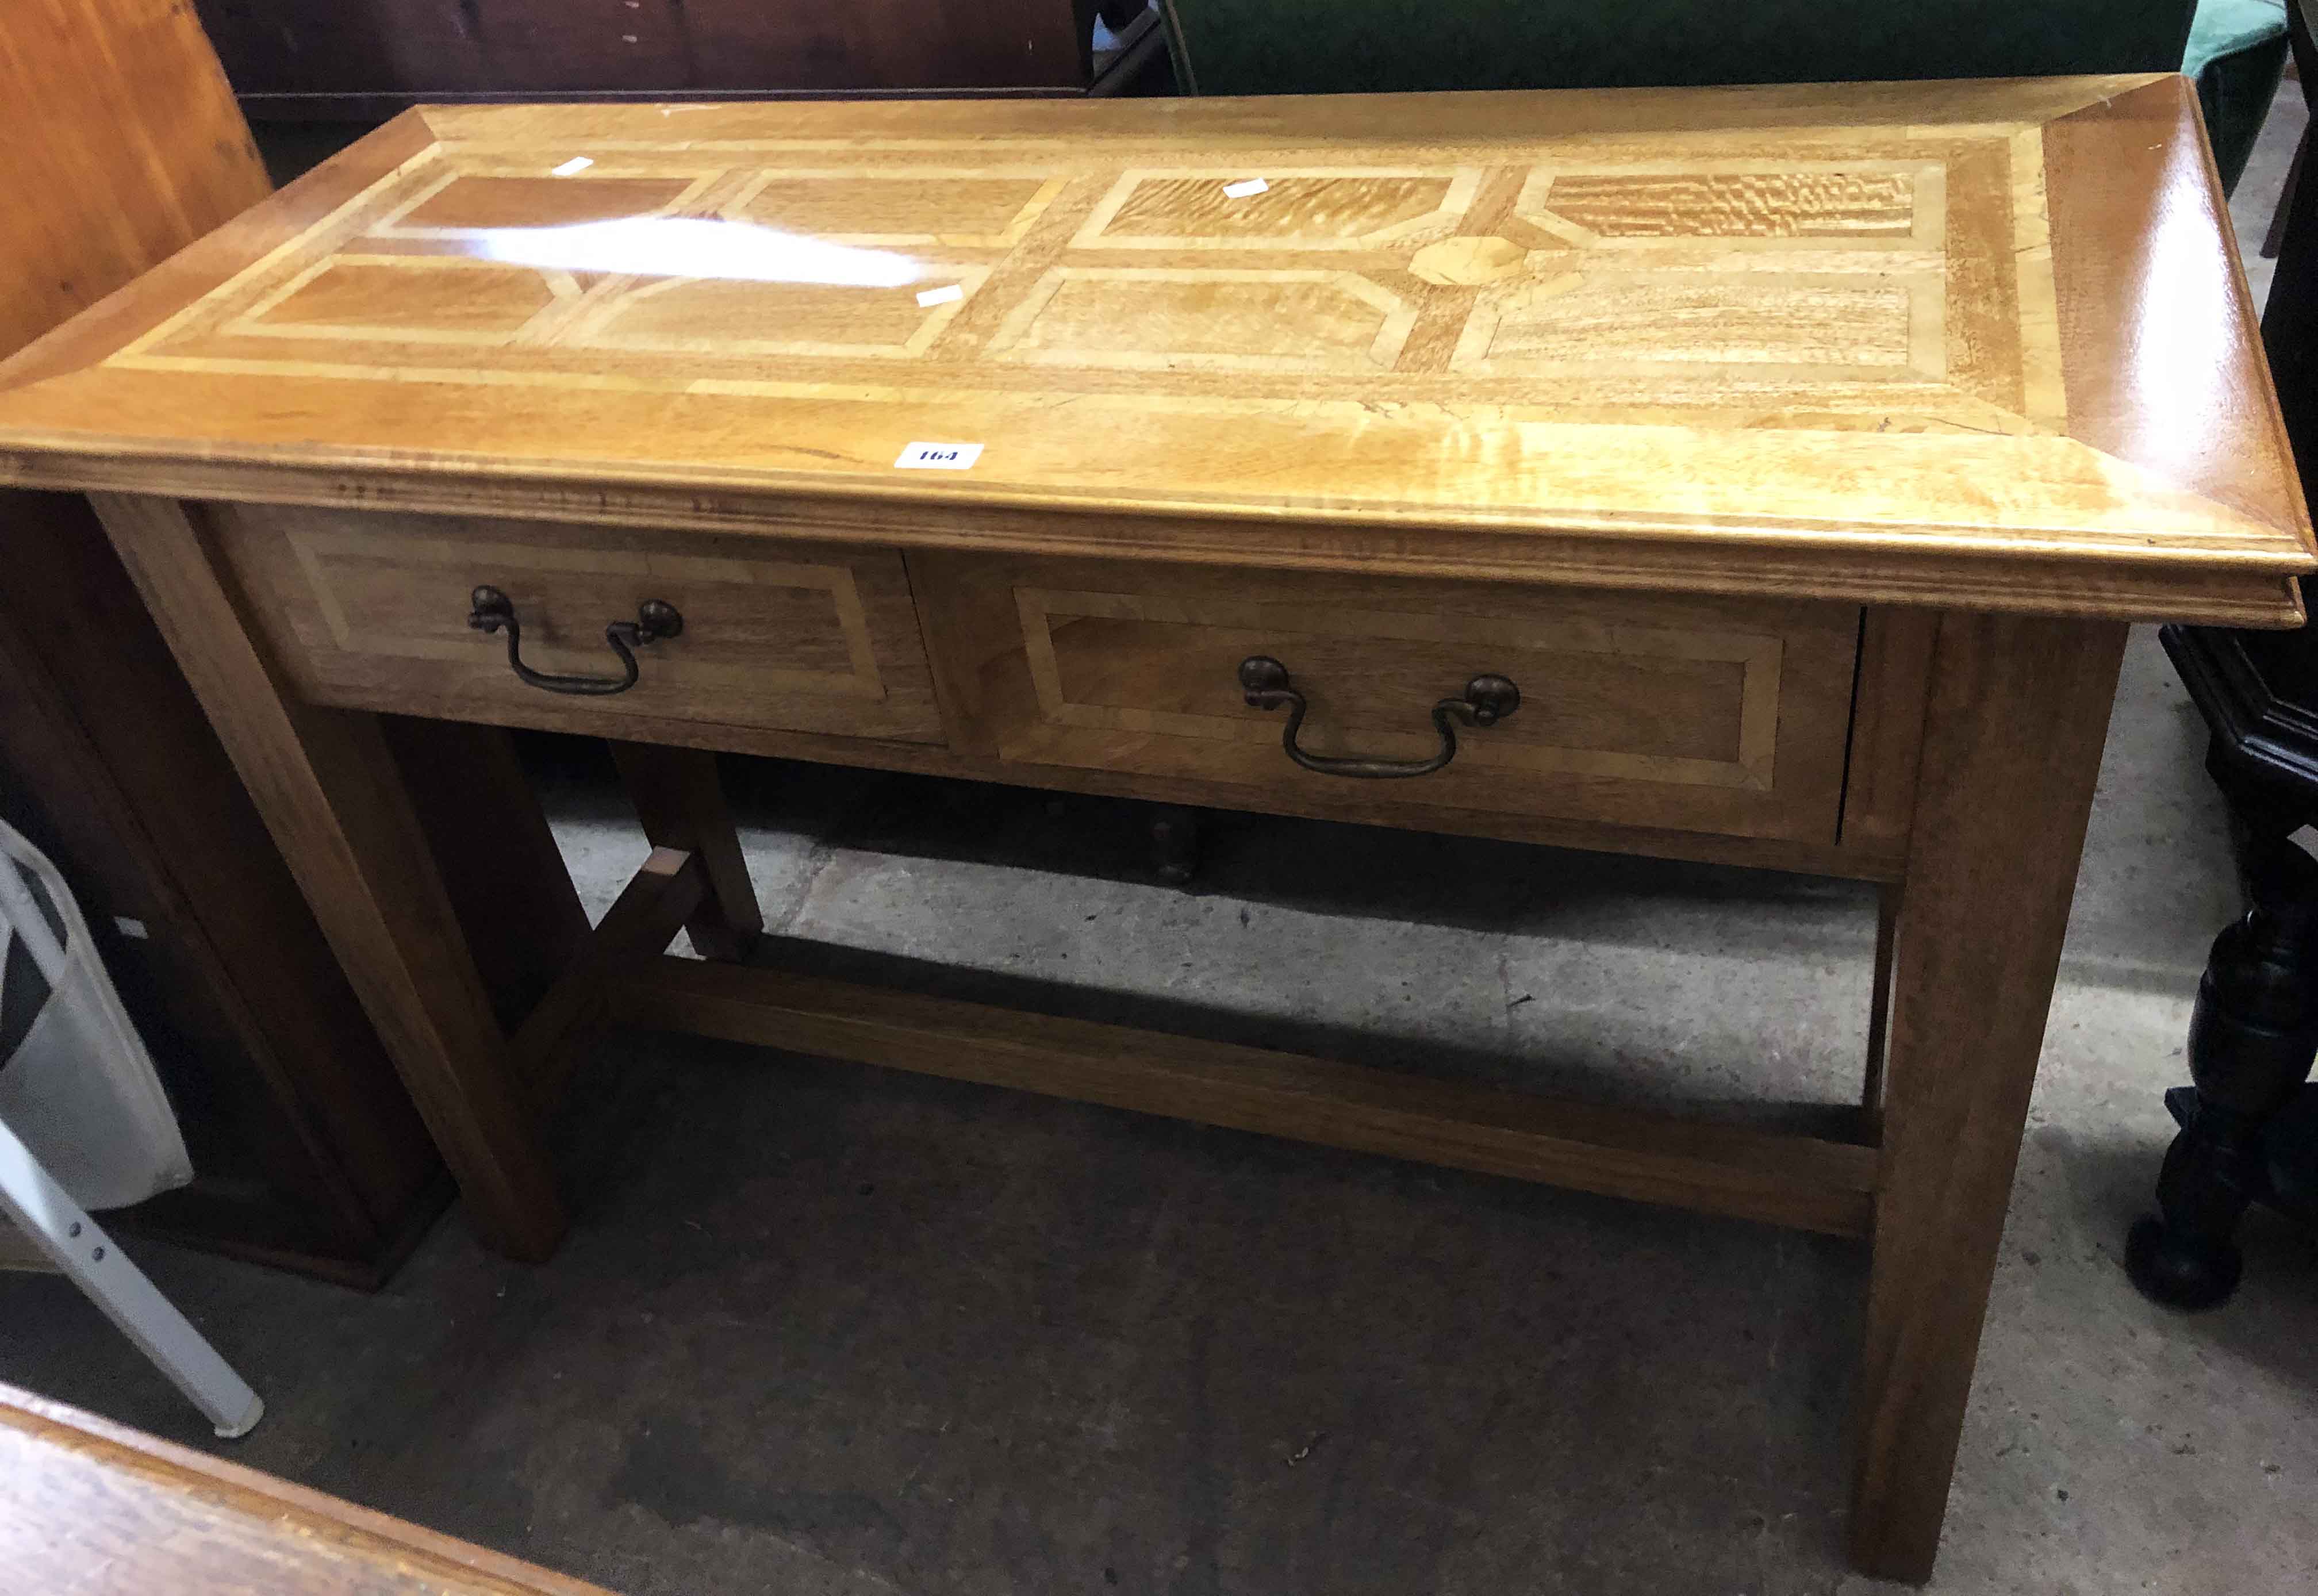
(306, 1148)
(307, 1152)
(327, 59)
(124, 145)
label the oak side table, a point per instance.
(1763, 476)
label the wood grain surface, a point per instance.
(113, 95)
(369, 612)
(91, 1508)
(2017, 717)
(1707, 714)
(1978, 344)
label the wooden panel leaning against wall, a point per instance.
(125, 145)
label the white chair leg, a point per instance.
(75, 1244)
(20, 913)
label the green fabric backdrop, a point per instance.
(1269, 47)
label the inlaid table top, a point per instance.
(1980, 344)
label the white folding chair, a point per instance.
(46, 1213)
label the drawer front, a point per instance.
(1689, 713)
(369, 610)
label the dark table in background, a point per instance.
(2249, 1124)
(367, 59)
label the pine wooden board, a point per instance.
(90, 1506)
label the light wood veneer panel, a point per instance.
(370, 611)
(1637, 709)
(125, 143)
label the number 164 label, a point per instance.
(938, 457)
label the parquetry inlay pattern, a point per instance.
(1896, 280)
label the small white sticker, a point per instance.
(938, 457)
(942, 296)
(1246, 188)
(577, 163)
(2305, 837)
(130, 928)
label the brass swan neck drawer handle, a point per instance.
(1487, 700)
(492, 611)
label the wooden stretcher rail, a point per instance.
(641, 923)
(1804, 1182)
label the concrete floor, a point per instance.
(822, 1329)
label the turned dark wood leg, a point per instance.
(1176, 844)
(2252, 1035)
